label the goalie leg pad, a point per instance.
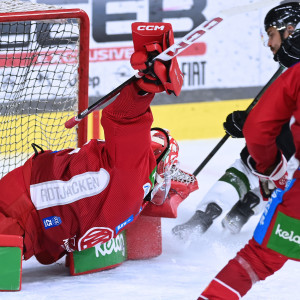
(11, 251)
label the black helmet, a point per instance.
(280, 17)
(283, 15)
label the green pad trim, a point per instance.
(100, 257)
(238, 180)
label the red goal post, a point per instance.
(44, 74)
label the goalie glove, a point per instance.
(149, 40)
(276, 180)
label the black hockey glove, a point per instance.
(234, 123)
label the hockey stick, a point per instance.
(171, 52)
(249, 108)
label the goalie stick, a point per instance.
(249, 108)
(171, 52)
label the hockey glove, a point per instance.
(234, 123)
(276, 180)
(150, 39)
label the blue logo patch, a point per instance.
(119, 227)
(51, 222)
(266, 218)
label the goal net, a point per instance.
(44, 57)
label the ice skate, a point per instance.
(199, 223)
(240, 213)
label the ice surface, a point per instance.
(182, 271)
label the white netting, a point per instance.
(178, 175)
(39, 62)
(7, 6)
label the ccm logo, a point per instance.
(150, 27)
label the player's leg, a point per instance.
(276, 239)
(253, 263)
(251, 204)
(233, 185)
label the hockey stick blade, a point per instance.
(171, 52)
(249, 108)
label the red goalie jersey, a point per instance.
(82, 197)
(76, 198)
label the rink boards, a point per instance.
(186, 121)
(193, 121)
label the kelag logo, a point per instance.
(111, 19)
(285, 237)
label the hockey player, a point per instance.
(73, 199)
(277, 236)
(238, 189)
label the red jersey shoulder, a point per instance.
(62, 165)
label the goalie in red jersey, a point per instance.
(74, 199)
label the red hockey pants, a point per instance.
(279, 241)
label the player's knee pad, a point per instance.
(238, 177)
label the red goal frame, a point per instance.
(84, 36)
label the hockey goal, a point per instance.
(44, 58)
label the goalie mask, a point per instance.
(165, 149)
